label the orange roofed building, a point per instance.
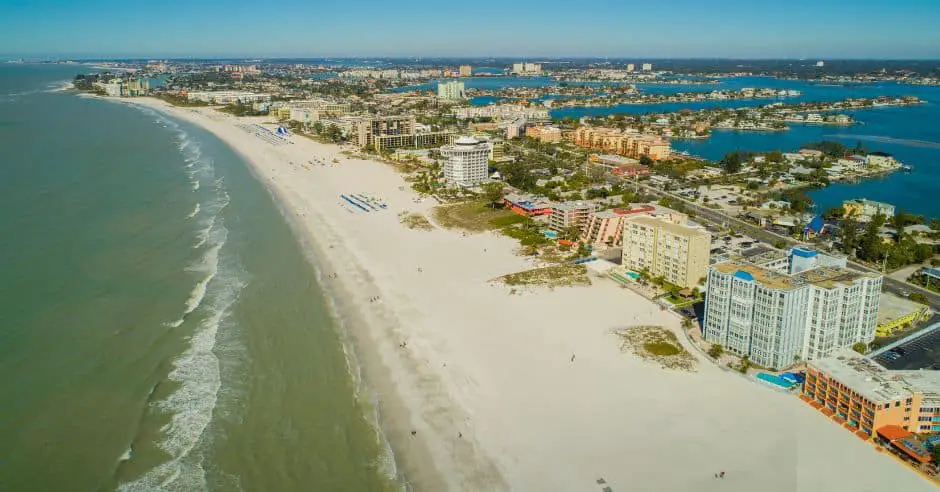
(527, 205)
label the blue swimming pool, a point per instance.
(775, 380)
(633, 275)
(550, 234)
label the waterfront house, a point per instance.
(864, 210)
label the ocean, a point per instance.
(161, 329)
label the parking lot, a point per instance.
(922, 352)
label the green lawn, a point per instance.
(473, 216)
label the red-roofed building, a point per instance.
(526, 205)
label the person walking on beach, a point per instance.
(721, 474)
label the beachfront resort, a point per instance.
(729, 253)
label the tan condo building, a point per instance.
(570, 214)
(676, 252)
(622, 142)
(544, 133)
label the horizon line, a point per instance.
(529, 58)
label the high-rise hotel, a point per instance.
(467, 162)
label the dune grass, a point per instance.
(565, 275)
(657, 344)
(415, 221)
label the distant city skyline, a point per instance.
(899, 29)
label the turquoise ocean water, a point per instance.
(161, 329)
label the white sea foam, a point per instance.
(197, 372)
(59, 86)
(196, 185)
(128, 453)
(194, 212)
(213, 209)
(208, 266)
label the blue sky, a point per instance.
(624, 28)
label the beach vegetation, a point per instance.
(239, 109)
(415, 221)
(658, 344)
(715, 351)
(507, 220)
(180, 101)
(564, 275)
(662, 349)
(471, 215)
(493, 193)
(528, 233)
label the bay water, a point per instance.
(160, 327)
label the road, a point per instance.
(717, 217)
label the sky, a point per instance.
(898, 29)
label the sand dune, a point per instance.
(486, 379)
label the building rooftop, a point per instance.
(761, 255)
(466, 141)
(578, 205)
(679, 230)
(868, 202)
(826, 277)
(876, 383)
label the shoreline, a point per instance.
(485, 379)
(383, 406)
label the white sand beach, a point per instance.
(486, 380)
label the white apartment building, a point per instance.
(227, 97)
(467, 162)
(451, 91)
(503, 111)
(676, 252)
(777, 318)
(647, 67)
